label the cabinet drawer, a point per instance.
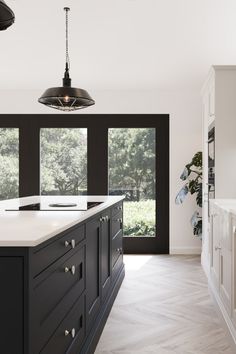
(117, 247)
(71, 332)
(45, 256)
(117, 208)
(54, 295)
(116, 224)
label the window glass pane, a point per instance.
(63, 161)
(9, 163)
(132, 173)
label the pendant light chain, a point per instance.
(67, 9)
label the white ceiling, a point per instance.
(118, 44)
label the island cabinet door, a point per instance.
(12, 305)
(93, 246)
(105, 232)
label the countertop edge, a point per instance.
(82, 217)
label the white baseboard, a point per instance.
(186, 250)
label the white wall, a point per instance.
(185, 139)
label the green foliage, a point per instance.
(63, 161)
(139, 218)
(132, 161)
(192, 174)
(9, 163)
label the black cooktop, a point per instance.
(56, 207)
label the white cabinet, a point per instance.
(222, 276)
(211, 96)
(233, 230)
(214, 248)
(225, 260)
(218, 110)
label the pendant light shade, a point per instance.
(65, 97)
(7, 16)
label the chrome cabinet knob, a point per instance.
(72, 243)
(119, 250)
(107, 218)
(72, 332)
(72, 270)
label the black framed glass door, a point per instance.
(132, 172)
(109, 154)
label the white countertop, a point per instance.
(226, 204)
(30, 228)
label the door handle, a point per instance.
(217, 248)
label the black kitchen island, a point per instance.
(60, 272)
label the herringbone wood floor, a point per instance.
(164, 307)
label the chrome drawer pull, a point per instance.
(72, 243)
(72, 332)
(72, 270)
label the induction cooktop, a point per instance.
(56, 207)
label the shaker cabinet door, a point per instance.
(105, 229)
(225, 260)
(215, 248)
(93, 245)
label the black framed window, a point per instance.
(9, 163)
(150, 134)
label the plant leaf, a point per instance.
(185, 174)
(194, 219)
(181, 195)
(197, 159)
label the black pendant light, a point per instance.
(66, 98)
(7, 16)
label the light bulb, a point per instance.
(66, 99)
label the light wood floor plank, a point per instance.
(164, 307)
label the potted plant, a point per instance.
(192, 175)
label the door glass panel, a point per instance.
(9, 163)
(63, 161)
(132, 173)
